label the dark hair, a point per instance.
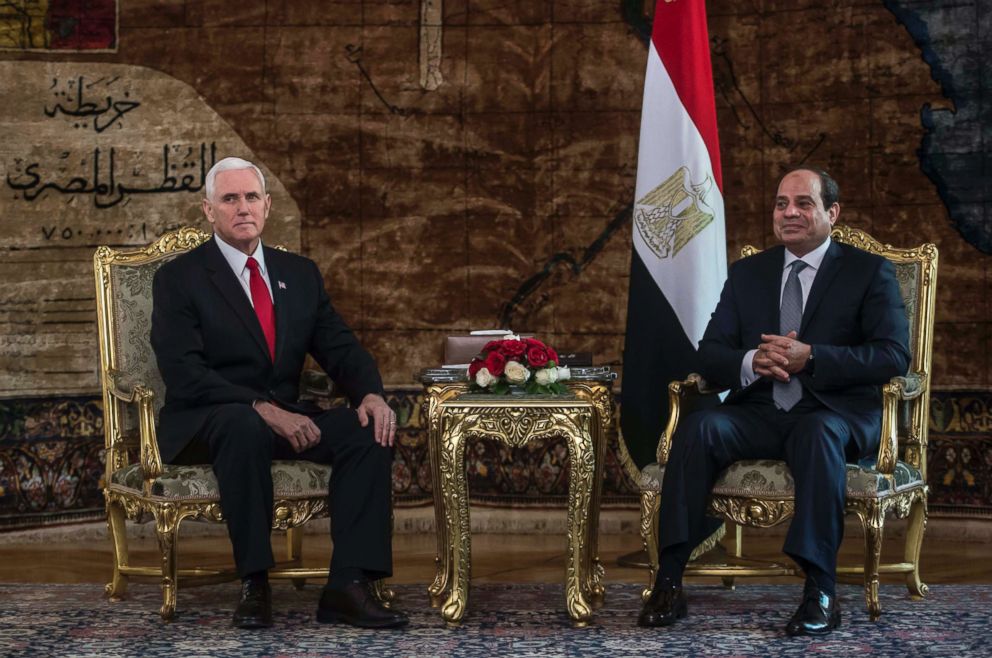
(829, 191)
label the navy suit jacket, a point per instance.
(211, 350)
(854, 319)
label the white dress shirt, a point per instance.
(813, 261)
(238, 261)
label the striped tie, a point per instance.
(787, 394)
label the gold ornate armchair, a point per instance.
(759, 493)
(137, 485)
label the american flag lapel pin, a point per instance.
(282, 286)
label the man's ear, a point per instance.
(833, 212)
(208, 211)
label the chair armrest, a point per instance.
(678, 393)
(143, 397)
(897, 390)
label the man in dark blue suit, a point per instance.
(232, 323)
(804, 335)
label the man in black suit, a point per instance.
(232, 323)
(804, 334)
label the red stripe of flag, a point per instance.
(682, 41)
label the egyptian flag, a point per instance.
(680, 249)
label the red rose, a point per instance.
(491, 345)
(533, 342)
(495, 362)
(512, 349)
(474, 367)
(552, 355)
(537, 356)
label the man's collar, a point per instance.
(237, 258)
(812, 259)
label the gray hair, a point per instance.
(229, 164)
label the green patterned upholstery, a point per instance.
(290, 480)
(770, 479)
(908, 276)
(132, 307)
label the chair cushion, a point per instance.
(769, 478)
(290, 479)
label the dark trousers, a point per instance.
(240, 447)
(814, 441)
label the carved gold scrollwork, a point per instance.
(752, 511)
(294, 513)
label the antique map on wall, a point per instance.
(93, 154)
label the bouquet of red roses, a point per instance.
(515, 361)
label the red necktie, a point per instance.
(262, 302)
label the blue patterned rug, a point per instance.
(503, 620)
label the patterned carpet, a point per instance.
(504, 620)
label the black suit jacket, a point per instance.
(210, 347)
(854, 319)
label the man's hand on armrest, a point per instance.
(299, 430)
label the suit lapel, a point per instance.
(230, 289)
(828, 270)
(280, 298)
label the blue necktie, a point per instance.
(786, 395)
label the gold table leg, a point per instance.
(594, 570)
(578, 576)
(442, 559)
(454, 487)
(433, 398)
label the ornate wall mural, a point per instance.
(461, 164)
(93, 154)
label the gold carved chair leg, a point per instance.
(650, 504)
(167, 529)
(294, 552)
(116, 589)
(915, 527)
(382, 592)
(872, 517)
(738, 552)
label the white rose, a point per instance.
(515, 372)
(564, 373)
(484, 378)
(546, 376)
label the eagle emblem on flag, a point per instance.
(673, 213)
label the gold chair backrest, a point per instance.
(916, 271)
(124, 315)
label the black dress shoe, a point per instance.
(356, 605)
(255, 607)
(664, 606)
(818, 614)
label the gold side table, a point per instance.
(583, 419)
